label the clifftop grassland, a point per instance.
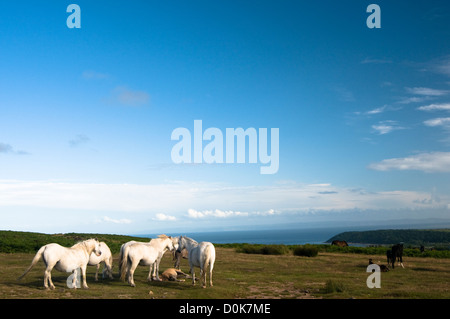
(240, 271)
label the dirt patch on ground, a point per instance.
(278, 290)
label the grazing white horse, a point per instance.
(122, 250)
(145, 254)
(200, 255)
(106, 258)
(66, 260)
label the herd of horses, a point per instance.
(395, 253)
(92, 252)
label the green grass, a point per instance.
(241, 271)
(240, 275)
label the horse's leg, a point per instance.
(210, 275)
(193, 275)
(108, 268)
(83, 274)
(74, 278)
(131, 273)
(156, 270)
(48, 278)
(46, 275)
(150, 275)
(203, 277)
(96, 272)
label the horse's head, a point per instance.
(97, 251)
(181, 243)
(175, 243)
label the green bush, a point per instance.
(333, 286)
(307, 251)
(264, 249)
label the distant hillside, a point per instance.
(28, 242)
(415, 237)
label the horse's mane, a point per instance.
(190, 239)
(163, 236)
(81, 242)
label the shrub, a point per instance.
(264, 249)
(333, 286)
(307, 251)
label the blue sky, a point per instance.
(86, 115)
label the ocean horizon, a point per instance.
(287, 236)
(267, 236)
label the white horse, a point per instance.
(106, 258)
(66, 260)
(200, 255)
(145, 254)
(122, 250)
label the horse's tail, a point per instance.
(124, 263)
(121, 257)
(35, 260)
(210, 257)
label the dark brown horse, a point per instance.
(339, 243)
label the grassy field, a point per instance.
(239, 275)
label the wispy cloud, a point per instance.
(422, 94)
(375, 61)
(435, 107)
(414, 99)
(198, 201)
(440, 121)
(440, 65)
(94, 75)
(8, 149)
(426, 91)
(128, 97)
(79, 140)
(344, 94)
(116, 221)
(385, 127)
(434, 162)
(192, 213)
(164, 217)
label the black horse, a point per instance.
(395, 253)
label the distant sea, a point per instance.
(274, 236)
(294, 236)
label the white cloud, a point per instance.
(426, 91)
(192, 213)
(116, 221)
(377, 110)
(441, 65)
(385, 127)
(164, 217)
(426, 162)
(177, 199)
(435, 107)
(442, 121)
(414, 99)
